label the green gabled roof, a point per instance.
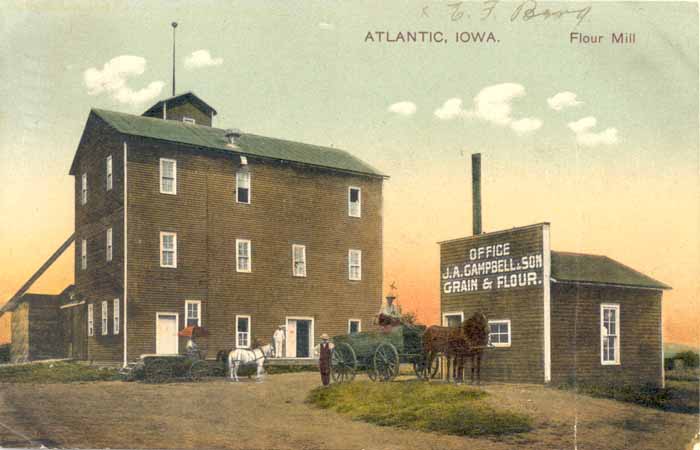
(247, 144)
(582, 268)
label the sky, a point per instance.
(600, 140)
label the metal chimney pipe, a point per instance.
(476, 193)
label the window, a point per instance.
(243, 186)
(193, 316)
(105, 317)
(189, 120)
(168, 249)
(355, 264)
(243, 331)
(499, 333)
(354, 202)
(83, 254)
(91, 320)
(168, 176)
(108, 174)
(354, 326)
(243, 259)
(452, 319)
(610, 334)
(115, 317)
(83, 189)
(299, 260)
(109, 244)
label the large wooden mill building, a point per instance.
(179, 223)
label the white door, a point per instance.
(166, 334)
(291, 338)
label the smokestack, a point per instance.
(476, 193)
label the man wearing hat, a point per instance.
(389, 314)
(324, 359)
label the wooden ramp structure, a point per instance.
(11, 304)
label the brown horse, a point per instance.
(458, 343)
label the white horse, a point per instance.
(245, 357)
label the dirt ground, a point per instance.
(272, 414)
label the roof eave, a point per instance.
(659, 287)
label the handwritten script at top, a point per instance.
(524, 11)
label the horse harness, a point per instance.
(263, 357)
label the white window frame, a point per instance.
(188, 120)
(350, 265)
(357, 213)
(83, 254)
(248, 333)
(300, 273)
(109, 182)
(174, 249)
(359, 324)
(109, 251)
(603, 334)
(83, 189)
(250, 256)
(104, 318)
(501, 344)
(452, 313)
(115, 317)
(90, 319)
(240, 173)
(199, 311)
(167, 160)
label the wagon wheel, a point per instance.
(372, 374)
(386, 362)
(158, 371)
(199, 370)
(343, 363)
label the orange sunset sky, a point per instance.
(600, 141)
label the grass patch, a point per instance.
(421, 406)
(55, 372)
(274, 370)
(677, 396)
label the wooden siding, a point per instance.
(523, 361)
(103, 280)
(19, 350)
(45, 337)
(186, 109)
(576, 338)
(289, 205)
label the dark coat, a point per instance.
(324, 359)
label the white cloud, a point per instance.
(326, 26)
(112, 79)
(403, 108)
(201, 58)
(563, 100)
(450, 109)
(586, 137)
(492, 104)
(525, 125)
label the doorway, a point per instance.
(300, 337)
(166, 334)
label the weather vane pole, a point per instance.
(174, 24)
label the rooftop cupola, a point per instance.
(185, 107)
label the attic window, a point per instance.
(189, 120)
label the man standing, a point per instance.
(324, 359)
(278, 339)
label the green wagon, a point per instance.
(380, 354)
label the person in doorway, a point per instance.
(278, 339)
(324, 351)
